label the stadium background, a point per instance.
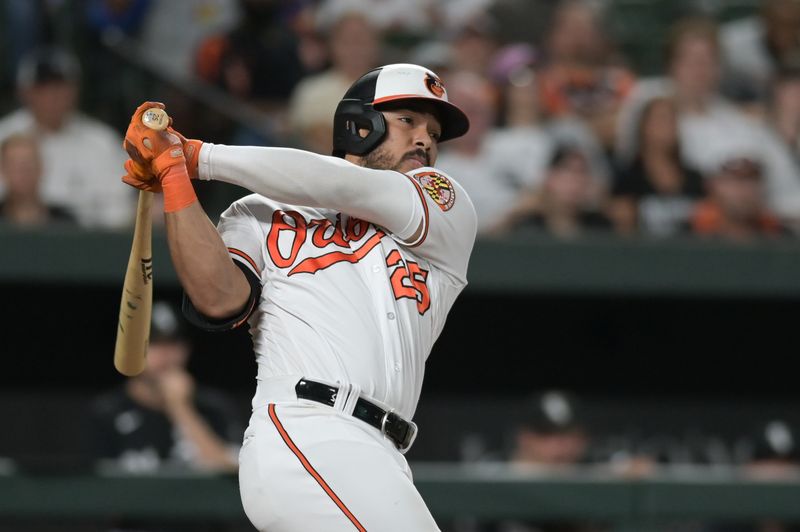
(678, 347)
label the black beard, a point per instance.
(378, 159)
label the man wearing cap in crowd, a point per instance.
(552, 433)
(774, 456)
(775, 450)
(161, 419)
(736, 206)
(48, 87)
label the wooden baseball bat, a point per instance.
(133, 331)
(135, 308)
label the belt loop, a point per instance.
(352, 399)
(341, 397)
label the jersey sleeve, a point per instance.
(243, 237)
(447, 219)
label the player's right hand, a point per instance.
(159, 151)
(160, 154)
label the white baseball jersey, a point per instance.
(344, 300)
(347, 300)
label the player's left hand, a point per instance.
(140, 177)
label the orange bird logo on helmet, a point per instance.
(434, 85)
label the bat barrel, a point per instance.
(133, 330)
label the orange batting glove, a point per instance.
(140, 177)
(191, 150)
(161, 152)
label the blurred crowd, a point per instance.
(557, 433)
(568, 136)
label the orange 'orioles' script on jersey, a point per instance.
(323, 233)
(408, 279)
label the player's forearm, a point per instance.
(212, 451)
(217, 288)
(302, 178)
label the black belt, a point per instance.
(397, 429)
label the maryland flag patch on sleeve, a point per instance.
(439, 188)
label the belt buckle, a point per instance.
(411, 435)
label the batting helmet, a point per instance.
(360, 107)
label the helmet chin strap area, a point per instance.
(351, 117)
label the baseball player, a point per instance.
(345, 268)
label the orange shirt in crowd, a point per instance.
(583, 91)
(709, 220)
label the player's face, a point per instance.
(411, 141)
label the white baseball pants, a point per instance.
(305, 467)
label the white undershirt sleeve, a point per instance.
(383, 197)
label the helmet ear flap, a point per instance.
(351, 117)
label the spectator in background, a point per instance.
(473, 43)
(553, 432)
(175, 51)
(82, 158)
(519, 152)
(776, 451)
(707, 123)
(21, 173)
(161, 419)
(735, 209)
(491, 193)
(258, 60)
(656, 192)
(775, 457)
(312, 48)
(354, 43)
(784, 107)
(552, 436)
(581, 77)
(567, 203)
(754, 48)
